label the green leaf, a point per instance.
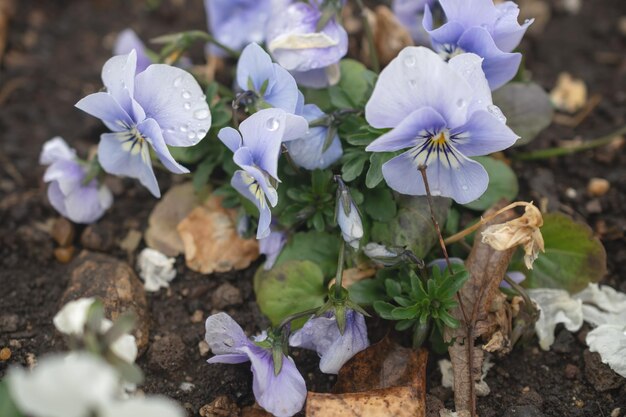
(353, 84)
(204, 170)
(375, 172)
(353, 162)
(289, 288)
(318, 247)
(191, 154)
(380, 205)
(573, 257)
(392, 288)
(404, 313)
(527, 108)
(412, 226)
(502, 184)
(367, 291)
(384, 309)
(7, 406)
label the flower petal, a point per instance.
(469, 65)
(482, 134)
(507, 32)
(126, 41)
(178, 104)
(151, 131)
(57, 198)
(83, 205)
(67, 173)
(118, 76)
(246, 184)
(318, 77)
(470, 12)
(56, 149)
(224, 335)
(231, 138)
(284, 93)
(402, 175)
(106, 108)
(461, 179)
(256, 66)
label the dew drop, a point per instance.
(178, 81)
(186, 94)
(187, 106)
(201, 114)
(191, 135)
(409, 61)
(496, 112)
(464, 187)
(272, 124)
(413, 83)
(202, 97)
(183, 129)
(460, 103)
(201, 133)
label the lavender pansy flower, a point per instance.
(350, 224)
(411, 13)
(282, 395)
(479, 26)
(269, 82)
(322, 335)
(295, 43)
(256, 151)
(308, 152)
(67, 192)
(236, 23)
(516, 276)
(128, 40)
(159, 107)
(271, 246)
(442, 113)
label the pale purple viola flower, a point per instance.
(308, 151)
(128, 40)
(312, 57)
(267, 81)
(282, 395)
(256, 149)
(159, 107)
(79, 202)
(410, 14)
(481, 27)
(516, 276)
(271, 246)
(441, 263)
(322, 335)
(350, 224)
(236, 23)
(441, 113)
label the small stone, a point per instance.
(616, 412)
(599, 374)
(116, 284)
(9, 323)
(523, 411)
(5, 354)
(226, 295)
(571, 371)
(167, 353)
(62, 231)
(222, 406)
(197, 317)
(593, 206)
(597, 187)
(571, 193)
(31, 360)
(525, 389)
(64, 255)
(186, 386)
(203, 348)
(98, 237)
(579, 403)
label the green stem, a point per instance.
(295, 316)
(370, 37)
(93, 171)
(340, 262)
(209, 38)
(560, 151)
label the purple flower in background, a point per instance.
(256, 150)
(516, 276)
(322, 335)
(441, 113)
(271, 246)
(282, 395)
(411, 13)
(269, 82)
(81, 203)
(480, 27)
(295, 43)
(236, 23)
(159, 107)
(128, 40)
(308, 151)
(442, 264)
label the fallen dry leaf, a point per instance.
(211, 242)
(354, 275)
(383, 380)
(175, 205)
(569, 94)
(390, 36)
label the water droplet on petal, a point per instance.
(202, 97)
(186, 94)
(409, 61)
(461, 103)
(191, 135)
(201, 133)
(187, 106)
(413, 83)
(183, 129)
(464, 187)
(201, 114)
(496, 112)
(178, 81)
(272, 124)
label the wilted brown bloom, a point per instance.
(522, 231)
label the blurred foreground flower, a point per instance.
(443, 113)
(282, 393)
(411, 13)
(156, 269)
(159, 107)
(69, 194)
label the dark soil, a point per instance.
(55, 52)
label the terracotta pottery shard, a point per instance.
(211, 241)
(383, 380)
(115, 283)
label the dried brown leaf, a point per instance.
(211, 242)
(390, 36)
(389, 402)
(354, 275)
(175, 205)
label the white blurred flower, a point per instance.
(156, 269)
(139, 407)
(556, 306)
